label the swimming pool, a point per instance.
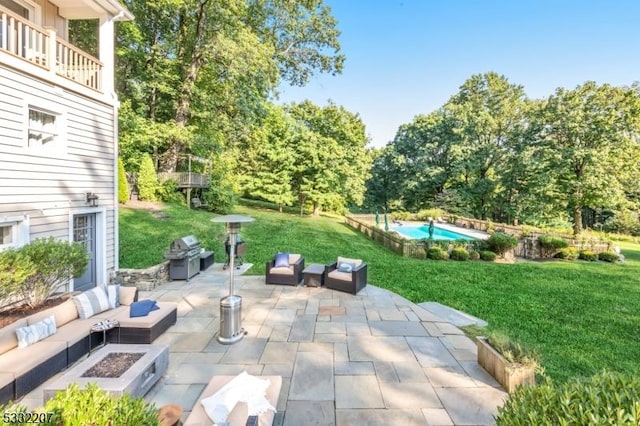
(421, 232)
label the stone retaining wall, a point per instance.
(144, 279)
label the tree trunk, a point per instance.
(316, 209)
(577, 220)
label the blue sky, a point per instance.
(408, 57)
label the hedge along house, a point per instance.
(58, 130)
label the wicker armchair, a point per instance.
(350, 282)
(291, 275)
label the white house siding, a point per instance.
(48, 186)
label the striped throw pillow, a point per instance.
(36, 332)
(91, 302)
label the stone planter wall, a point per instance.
(506, 373)
(144, 279)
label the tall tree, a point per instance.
(488, 112)
(591, 138)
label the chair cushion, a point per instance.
(282, 270)
(346, 267)
(281, 260)
(356, 262)
(91, 302)
(293, 258)
(342, 276)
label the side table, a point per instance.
(313, 275)
(103, 326)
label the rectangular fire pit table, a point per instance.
(136, 380)
(313, 275)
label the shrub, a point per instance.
(147, 179)
(15, 269)
(400, 215)
(487, 255)
(425, 214)
(608, 256)
(474, 255)
(568, 253)
(500, 243)
(436, 253)
(93, 406)
(605, 398)
(123, 187)
(512, 351)
(55, 262)
(587, 255)
(168, 191)
(550, 244)
(459, 253)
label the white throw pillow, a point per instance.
(91, 302)
(36, 332)
(113, 293)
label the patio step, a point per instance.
(454, 316)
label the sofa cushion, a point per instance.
(23, 360)
(34, 333)
(343, 276)
(63, 313)
(281, 260)
(142, 308)
(91, 302)
(154, 317)
(73, 332)
(113, 294)
(8, 338)
(356, 262)
(282, 270)
(127, 295)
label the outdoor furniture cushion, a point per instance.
(127, 295)
(281, 270)
(91, 302)
(355, 262)
(121, 314)
(142, 308)
(21, 361)
(63, 313)
(113, 295)
(281, 260)
(338, 275)
(8, 338)
(34, 333)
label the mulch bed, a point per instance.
(113, 365)
(14, 314)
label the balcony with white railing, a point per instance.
(41, 47)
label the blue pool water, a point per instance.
(420, 232)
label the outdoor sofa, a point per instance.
(23, 369)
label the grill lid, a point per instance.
(187, 243)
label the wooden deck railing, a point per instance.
(43, 48)
(186, 179)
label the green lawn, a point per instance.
(581, 317)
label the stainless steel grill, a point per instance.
(184, 254)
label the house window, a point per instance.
(27, 9)
(14, 231)
(43, 128)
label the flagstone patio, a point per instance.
(374, 358)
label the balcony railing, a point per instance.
(41, 47)
(186, 179)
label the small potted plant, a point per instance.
(507, 361)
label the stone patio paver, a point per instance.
(374, 358)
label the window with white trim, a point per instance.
(14, 231)
(44, 128)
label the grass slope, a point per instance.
(581, 317)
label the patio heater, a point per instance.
(231, 305)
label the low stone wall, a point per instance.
(144, 279)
